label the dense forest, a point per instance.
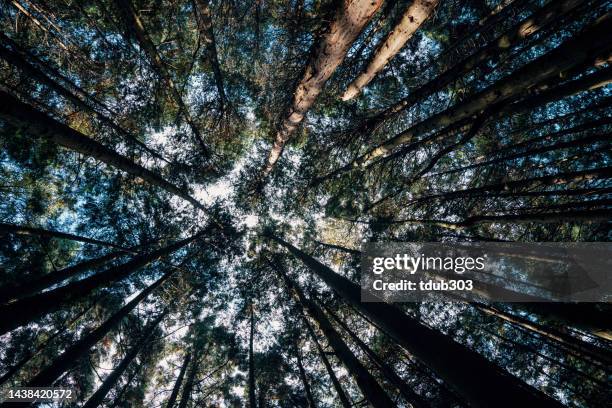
(185, 186)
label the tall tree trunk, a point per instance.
(350, 19)
(494, 50)
(98, 397)
(493, 190)
(31, 308)
(190, 381)
(179, 381)
(75, 352)
(17, 60)
(14, 369)
(41, 232)
(25, 288)
(368, 385)
(38, 124)
(305, 383)
(453, 362)
(417, 12)
(118, 399)
(204, 17)
(549, 333)
(252, 398)
(409, 395)
(344, 399)
(135, 28)
(581, 49)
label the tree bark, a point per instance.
(409, 395)
(26, 288)
(40, 125)
(179, 381)
(28, 309)
(135, 28)
(583, 48)
(350, 19)
(453, 362)
(305, 383)
(98, 397)
(252, 398)
(368, 385)
(417, 12)
(75, 352)
(344, 399)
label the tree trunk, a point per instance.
(344, 399)
(190, 381)
(453, 362)
(98, 397)
(204, 17)
(26, 288)
(581, 49)
(31, 308)
(12, 370)
(252, 398)
(17, 60)
(75, 352)
(417, 12)
(371, 390)
(409, 395)
(305, 383)
(40, 125)
(135, 28)
(585, 141)
(350, 19)
(41, 232)
(178, 382)
(493, 190)
(339, 248)
(494, 50)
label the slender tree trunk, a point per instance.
(204, 17)
(368, 385)
(38, 124)
(41, 232)
(118, 400)
(31, 308)
(409, 395)
(583, 48)
(453, 362)
(179, 381)
(136, 29)
(417, 12)
(494, 50)
(549, 333)
(344, 399)
(98, 397)
(26, 288)
(190, 381)
(14, 369)
(492, 190)
(339, 247)
(17, 60)
(305, 383)
(350, 19)
(71, 356)
(252, 398)
(585, 141)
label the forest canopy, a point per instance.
(185, 186)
